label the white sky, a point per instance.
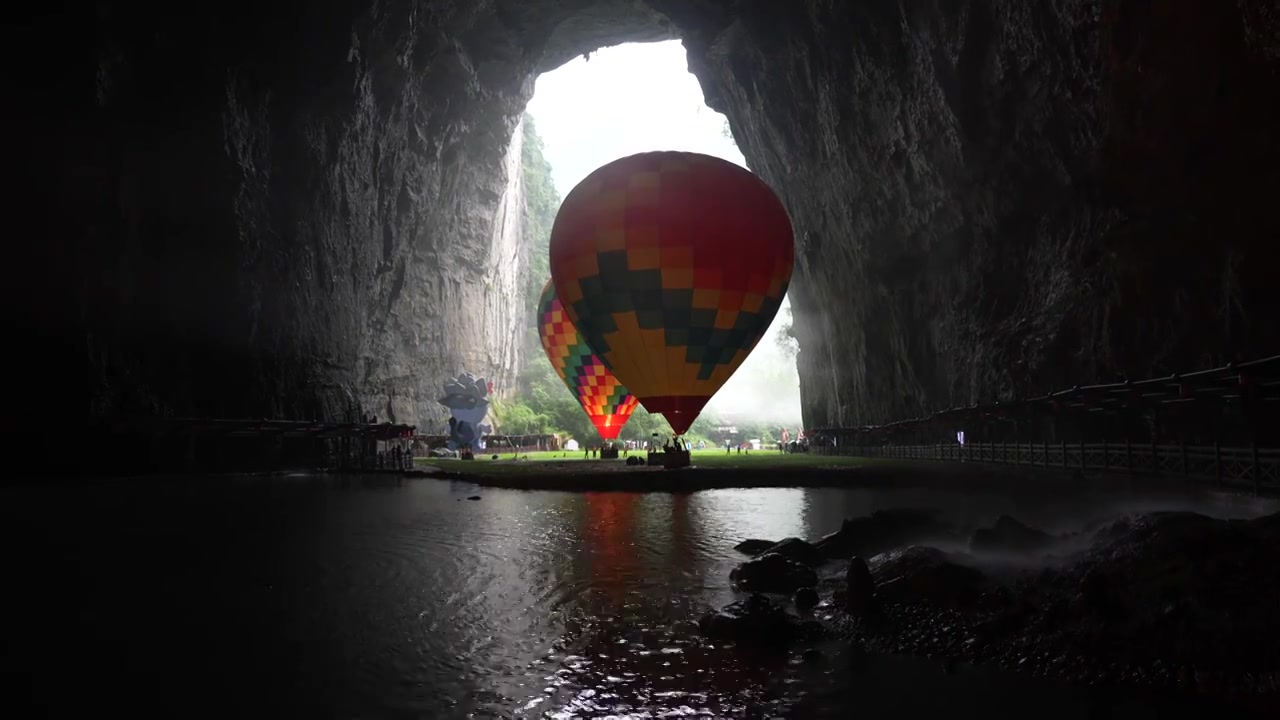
(641, 97)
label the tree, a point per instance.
(786, 337)
(542, 201)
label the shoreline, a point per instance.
(608, 476)
(879, 474)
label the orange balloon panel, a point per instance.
(672, 265)
(607, 403)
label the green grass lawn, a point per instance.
(553, 461)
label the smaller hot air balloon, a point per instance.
(607, 403)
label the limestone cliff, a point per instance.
(298, 210)
(273, 212)
(998, 198)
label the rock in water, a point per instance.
(859, 587)
(796, 549)
(925, 574)
(880, 531)
(773, 573)
(758, 622)
(1009, 535)
(806, 599)
(753, 546)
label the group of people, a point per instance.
(401, 457)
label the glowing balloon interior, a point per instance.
(672, 265)
(606, 401)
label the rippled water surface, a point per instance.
(377, 597)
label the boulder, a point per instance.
(805, 599)
(928, 575)
(757, 622)
(796, 549)
(754, 546)
(858, 597)
(773, 573)
(1009, 535)
(882, 530)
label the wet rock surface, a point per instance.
(754, 546)
(925, 574)
(1009, 535)
(1173, 600)
(859, 596)
(758, 622)
(883, 530)
(796, 549)
(773, 573)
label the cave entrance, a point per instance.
(627, 99)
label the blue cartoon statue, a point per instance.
(468, 401)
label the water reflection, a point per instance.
(735, 514)
(335, 597)
(628, 640)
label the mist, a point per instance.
(766, 388)
(640, 97)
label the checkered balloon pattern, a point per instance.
(607, 403)
(672, 265)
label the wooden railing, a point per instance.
(1254, 469)
(1216, 425)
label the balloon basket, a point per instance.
(609, 453)
(672, 459)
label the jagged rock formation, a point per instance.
(285, 210)
(1000, 198)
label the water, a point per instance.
(373, 597)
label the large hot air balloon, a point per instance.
(607, 403)
(672, 265)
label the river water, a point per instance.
(378, 597)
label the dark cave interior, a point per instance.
(293, 212)
(312, 212)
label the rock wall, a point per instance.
(250, 211)
(293, 210)
(997, 198)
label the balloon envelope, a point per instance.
(672, 265)
(607, 403)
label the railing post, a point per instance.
(1128, 453)
(1083, 465)
(1063, 443)
(1155, 457)
(1106, 455)
(1217, 460)
(1255, 470)
(1045, 447)
(1182, 446)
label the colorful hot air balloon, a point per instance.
(672, 265)
(605, 400)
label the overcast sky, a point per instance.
(640, 97)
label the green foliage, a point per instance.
(704, 428)
(542, 201)
(643, 424)
(786, 337)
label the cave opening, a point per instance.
(622, 100)
(238, 214)
(314, 214)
